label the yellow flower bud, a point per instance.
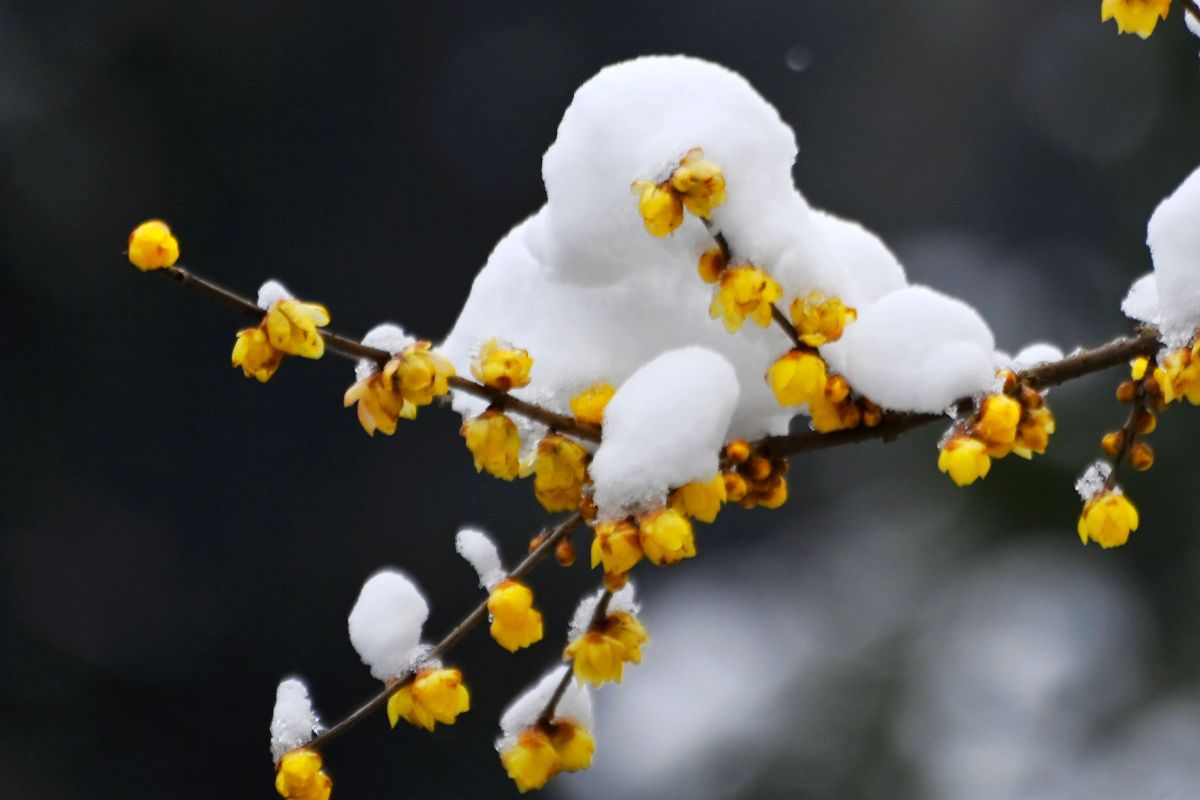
(515, 622)
(744, 293)
(501, 367)
(1107, 519)
(666, 536)
(617, 546)
(712, 264)
(661, 208)
(493, 440)
(298, 776)
(700, 499)
(1137, 368)
(997, 419)
(1141, 456)
(560, 470)
(532, 761)
(292, 328)
(252, 351)
(818, 319)
(964, 459)
(151, 246)
(798, 377)
(419, 374)
(737, 451)
(1135, 16)
(1033, 434)
(435, 695)
(700, 183)
(588, 406)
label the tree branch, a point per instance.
(598, 616)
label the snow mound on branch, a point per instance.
(294, 722)
(1170, 297)
(575, 705)
(270, 293)
(481, 553)
(1036, 353)
(622, 600)
(386, 622)
(387, 336)
(916, 350)
(663, 428)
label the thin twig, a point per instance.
(350, 348)
(598, 617)
(1128, 435)
(1192, 7)
(460, 631)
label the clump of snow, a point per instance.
(480, 551)
(1091, 483)
(575, 705)
(915, 350)
(386, 622)
(294, 722)
(1036, 353)
(622, 600)
(1170, 298)
(1193, 24)
(663, 428)
(271, 293)
(389, 337)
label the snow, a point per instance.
(1091, 483)
(663, 428)
(481, 553)
(915, 350)
(271, 293)
(1037, 353)
(1170, 296)
(389, 337)
(575, 706)
(1193, 24)
(386, 622)
(294, 722)
(622, 600)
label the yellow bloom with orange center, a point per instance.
(600, 655)
(588, 406)
(964, 459)
(380, 404)
(744, 293)
(151, 246)
(701, 500)
(1135, 16)
(660, 207)
(617, 546)
(798, 377)
(501, 367)
(292, 328)
(574, 745)
(493, 440)
(515, 622)
(666, 536)
(435, 695)
(1179, 375)
(819, 319)
(1107, 519)
(299, 776)
(559, 472)
(1033, 434)
(699, 182)
(543, 751)
(827, 416)
(252, 351)
(628, 630)
(419, 374)
(996, 423)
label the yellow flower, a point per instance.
(380, 404)
(700, 183)
(1107, 520)
(151, 246)
(588, 406)
(1137, 368)
(532, 761)
(600, 655)
(828, 416)
(292, 328)
(559, 472)
(666, 536)
(996, 423)
(617, 546)
(299, 777)
(700, 499)
(500, 367)
(626, 629)
(1135, 16)
(964, 459)
(1179, 375)
(574, 745)
(819, 319)
(515, 622)
(798, 377)
(493, 440)
(744, 292)
(1033, 434)
(661, 208)
(776, 493)
(419, 373)
(711, 265)
(254, 354)
(436, 695)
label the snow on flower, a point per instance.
(480, 552)
(294, 722)
(574, 706)
(386, 622)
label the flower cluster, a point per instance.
(289, 328)
(515, 622)
(299, 776)
(432, 696)
(409, 380)
(663, 536)
(752, 479)
(544, 750)
(695, 184)
(600, 654)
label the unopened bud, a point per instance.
(564, 552)
(1141, 456)
(1126, 392)
(1112, 442)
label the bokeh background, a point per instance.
(174, 539)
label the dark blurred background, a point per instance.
(174, 538)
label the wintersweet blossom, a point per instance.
(152, 246)
(380, 403)
(666, 536)
(600, 654)
(1135, 16)
(744, 293)
(299, 776)
(617, 546)
(501, 366)
(1107, 519)
(1179, 375)
(252, 351)
(543, 751)
(1033, 432)
(699, 182)
(964, 459)
(291, 326)
(435, 695)
(515, 622)
(588, 406)
(419, 374)
(661, 208)
(712, 265)
(797, 377)
(996, 423)
(560, 471)
(701, 500)
(493, 440)
(819, 319)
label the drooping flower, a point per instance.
(152, 246)
(617, 546)
(798, 377)
(744, 293)
(501, 366)
(996, 423)
(588, 406)
(1107, 519)
(291, 327)
(600, 654)
(560, 471)
(1033, 433)
(699, 182)
(299, 776)
(419, 374)
(1135, 16)
(380, 404)
(701, 500)
(661, 208)
(543, 751)
(435, 695)
(515, 622)
(964, 459)
(819, 319)
(493, 440)
(252, 351)
(666, 536)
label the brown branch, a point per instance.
(460, 631)
(598, 616)
(1078, 364)
(350, 348)
(1128, 435)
